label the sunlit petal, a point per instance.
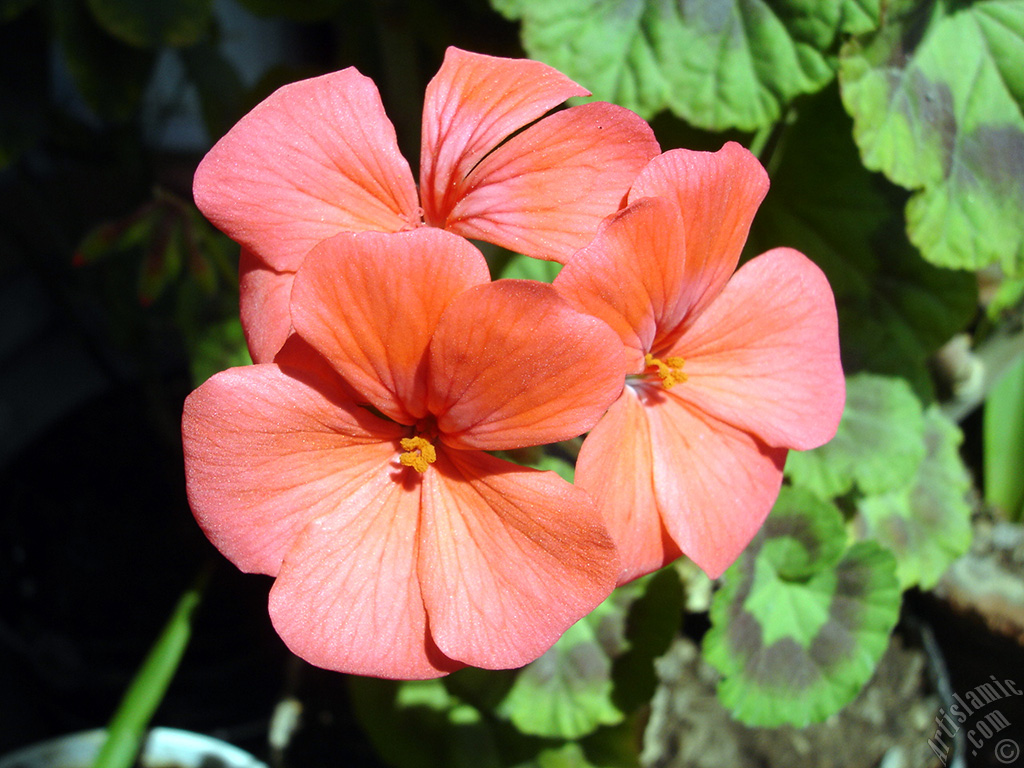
(370, 302)
(718, 194)
(472, 104)
(264, 295)
(348, 595)
(512, 365)
(616, 467)
(546, 190)
(315, 158)
(634, 275)
(764, 356)
(714, 483)
(266, 454)
(510, 558)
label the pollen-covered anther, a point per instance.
(419, 453)
(669, 370)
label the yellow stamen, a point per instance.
(670, 370)
(419, 453)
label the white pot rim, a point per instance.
(163, 746)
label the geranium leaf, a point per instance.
(1008, 294)
(520, 267)
(796, 650)
(550, 463)
(895, 308)
(569, 755)
(877, 448)
(927, 524)
(652, 621)
(581, 683)
(860, 16)
(718, 65)
(949, 127)
(566, 693)
(420, 724)
(217, 347)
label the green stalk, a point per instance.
(760, 140)
(127, 728)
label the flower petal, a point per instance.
(546, 190)
(714, 484)
(370, 302)
(764, 357)
(510, 558)
(718, 194)
(317, 157)
(616, 467)
(264, 295)
(266, 454)
(513, 365)
(471, 105)
(634, 275)
(348, 595)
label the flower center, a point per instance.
(669, 370)
(419, 453)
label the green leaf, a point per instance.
(567, 692)
(601, 667)
(729, 64)
(878, 446)
(1003, 431)
(796, 650)
(550, 463)
(538, 457)
(950, 127)
(419, 724)
(520, 267)
(652, 621)
(217, 347)
(569, 755)
(1008, 294)
(860, 16)
(926, 525)
(788, 609)
(895, 308)
(153, 24)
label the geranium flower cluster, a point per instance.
(354, 461)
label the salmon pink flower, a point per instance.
(354, 468)
(319, 157)
(728, 371)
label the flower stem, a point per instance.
(760, 140)
(127, 728)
